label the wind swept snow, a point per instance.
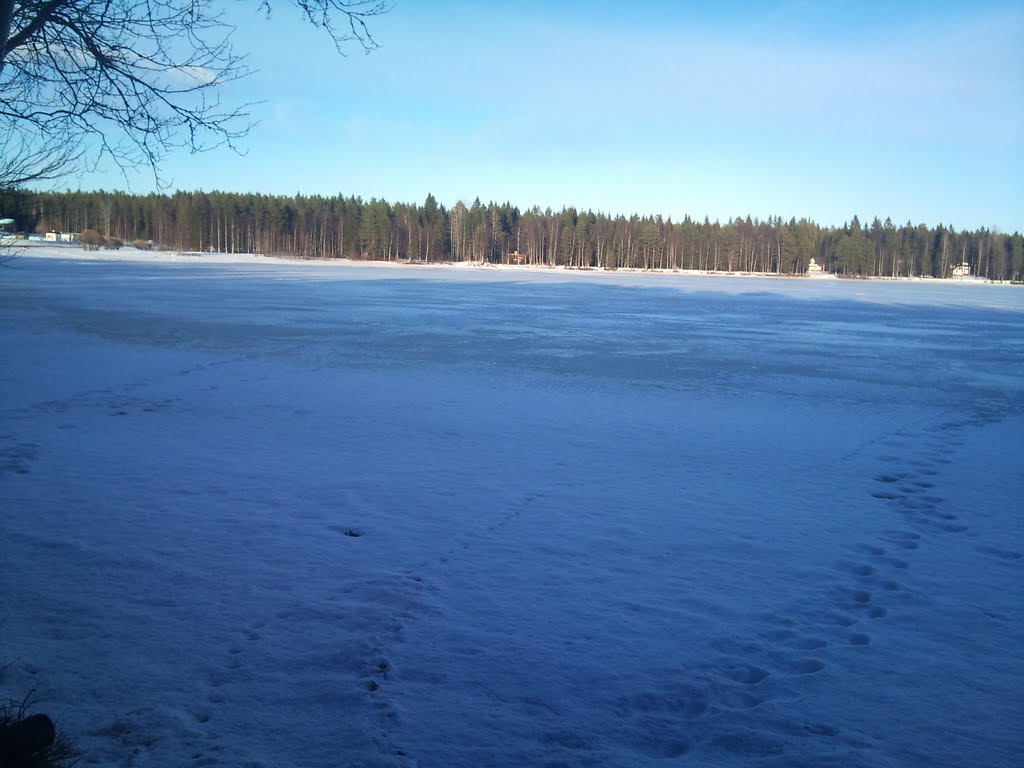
(267, 514)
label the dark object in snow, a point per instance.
(23, 740)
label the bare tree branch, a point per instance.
(83, 81)
(23, 160)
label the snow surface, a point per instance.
(274, 514)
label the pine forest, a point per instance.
(317, 227)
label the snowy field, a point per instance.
(271, 514)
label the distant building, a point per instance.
(517, 258)
(963, 269)
(62, 237)
(814, 268)
(5, 237)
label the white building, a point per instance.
(62, 237)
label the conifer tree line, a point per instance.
(319, 227)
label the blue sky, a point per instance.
(818, 109)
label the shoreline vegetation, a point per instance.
(156, 255)
(317, 228)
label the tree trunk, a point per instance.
(6, 16)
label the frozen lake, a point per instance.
(265, 514)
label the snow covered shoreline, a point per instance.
(135, 255)
(263, 515)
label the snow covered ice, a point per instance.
(270, 514)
